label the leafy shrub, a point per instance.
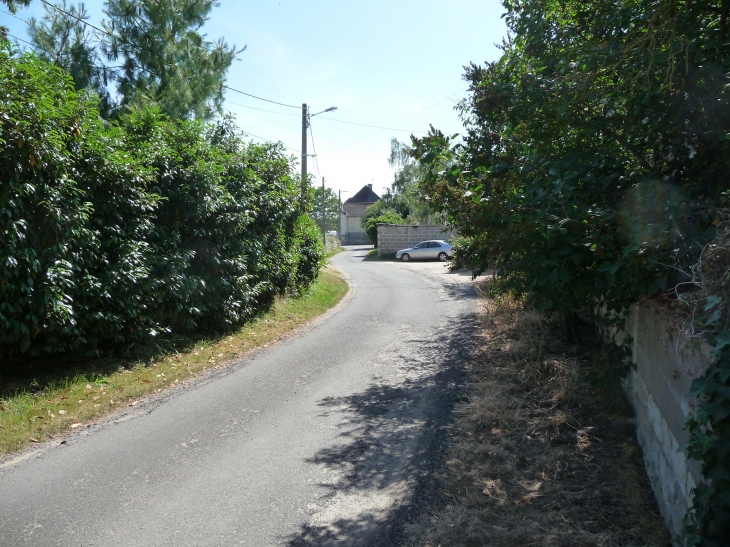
(592, 170)
(370, 223)
(113, 235)
(309, 252)
(74, 215)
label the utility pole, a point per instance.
(339, 214)
(304, 151)
(324, 226)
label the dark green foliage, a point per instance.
(113, 235)
(331, 208)
(166, 60)
(310, 253)
(370, 223)
(709, 520)
(596, 153)
(43, 213)
(156, 54)
(13, 5)
(63, 40)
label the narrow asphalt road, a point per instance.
(328, 438)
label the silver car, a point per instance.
(427, 249)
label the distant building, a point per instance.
(352, 210)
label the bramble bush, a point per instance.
(117, 234)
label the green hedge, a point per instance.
(115, 234)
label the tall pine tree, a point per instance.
(165, 60)
(63, 39)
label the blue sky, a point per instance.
(396, 64)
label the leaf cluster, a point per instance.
(154, 51)
(114, 234)
(371, 221)
(403, 202)
(596, 154)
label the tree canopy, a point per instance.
(118, 233)
(594, 170)
(166, 60)
(62, 39)
(403, 202)
(331, 208)
(146, 53)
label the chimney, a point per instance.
(370, 186)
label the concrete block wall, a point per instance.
(394, 237)
(658, 390)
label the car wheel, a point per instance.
(405, 257)
(443, 257)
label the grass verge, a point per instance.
(33, 410)
(535, 459)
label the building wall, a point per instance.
(658, 390)
(394, 237)
(352, 232)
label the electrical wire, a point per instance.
(261, 109)
(382, 129)
(13, 15)
(12, 36)
(107, 33)
(270, 141)
(397, 123)
(79, 19)
(259, 98)
(373, 126)
(314, 149)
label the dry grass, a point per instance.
(33, 411)
(535, 461)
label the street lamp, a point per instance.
(330, 109)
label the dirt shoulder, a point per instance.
(535, 460)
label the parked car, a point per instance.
(427, 249)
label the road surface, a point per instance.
(328, 438)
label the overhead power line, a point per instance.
(13, 15)
(269, 140)
(259, 98)
(262, 109)
(372, 126)
(25, 41)
(79, 19)
(314, 149)
(107, 33)
(390, 129)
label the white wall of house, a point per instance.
(352, 232)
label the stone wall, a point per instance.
(394, 237)
(658, 390)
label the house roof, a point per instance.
(354, 209)
(365, 195)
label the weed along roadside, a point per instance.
(535, 458)
(34, 410)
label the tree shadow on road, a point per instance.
(393, 437)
